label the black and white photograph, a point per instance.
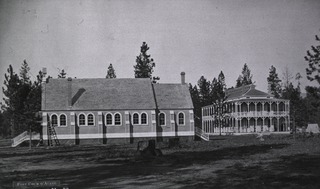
(159, 94)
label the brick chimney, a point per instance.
(183, 78)
(69, 92)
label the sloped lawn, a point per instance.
(280, 161)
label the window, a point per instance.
(63, 120)
(181, 118)
(90, 119)
(109, 119)
(117, 119)
(82, 120)
(135, 118)
(162, 119)
(54, 120)
(143, 118)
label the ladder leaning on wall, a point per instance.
(52, 136)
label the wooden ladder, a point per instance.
(52, 136)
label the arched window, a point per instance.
(54, 120)
(143, 118)
(90, 119)
(135, 118)
(82, 120)
(108, 119)
(63, 120)
(162, 119)
(181, 118)
(117, 119)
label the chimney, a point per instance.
(69, 92)
(183, 78)
(44, 72)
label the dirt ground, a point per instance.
(281, 161)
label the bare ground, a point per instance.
(281, 161)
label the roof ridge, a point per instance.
(250, 87)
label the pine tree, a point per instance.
(24, 72)
(274, 82)
(145, 64)
(194, 92)
(11, 102)
(245, 78)
(222, 80)
(22, 99)
(204, 91)
(297, 107)
(62, 74)
(239, 80)
(111, 72)
(313, 58)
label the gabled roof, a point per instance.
(115, 94)
(173, 96)
(95, 94)
(247, 91)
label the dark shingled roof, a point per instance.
(111, 94)
(115, 94)
(173, 96)
(246, 91)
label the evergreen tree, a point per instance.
(62, 74)
(204, 91)
(194, 92)
(111, 72)
(24, 72)
(222, 80)
(22, 100)
(312, 103)
(313, 58)
(214, 90)
(245, 78)
(239, 80)
(274, 82)
(145, 64)
(297, 107)
(12, 102)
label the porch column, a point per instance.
(255, 124)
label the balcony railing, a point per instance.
(260, 114)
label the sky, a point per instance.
(199, 37)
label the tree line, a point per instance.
(22, 99)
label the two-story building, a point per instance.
(248, 110)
